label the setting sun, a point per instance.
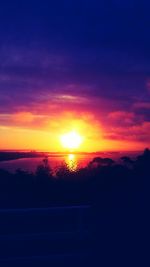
(71, 140)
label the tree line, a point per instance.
(101, 179)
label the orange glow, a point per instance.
(61, 132)
(24, 117)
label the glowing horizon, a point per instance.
(46, 137)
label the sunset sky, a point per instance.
(75, 65)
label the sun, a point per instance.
(71, 140)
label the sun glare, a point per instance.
(71, 140)
(71, 162)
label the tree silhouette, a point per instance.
(44, 171)
(127, 161)
(99, 162)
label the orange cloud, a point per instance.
(23, 117)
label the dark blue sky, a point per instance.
(65, 51)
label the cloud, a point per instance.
(23, 117)
(38, 88)
(24, 120)
(122, 117)
(148, 85)
(137, 132)
(142, 105)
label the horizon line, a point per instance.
(69, 152)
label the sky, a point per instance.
(75, 65)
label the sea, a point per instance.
(72, 161)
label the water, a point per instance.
(73, 161)
(30, 164)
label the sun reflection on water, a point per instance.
(71, 162)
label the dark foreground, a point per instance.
(75, 236)
(39, 237)
(103, 218)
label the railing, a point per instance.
(56, 228)
(74, 218)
